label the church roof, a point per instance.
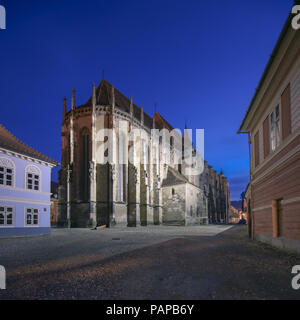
(10, 142)
(103, 97)
(173, 178)
(162, 121)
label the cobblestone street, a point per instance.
(207, 262)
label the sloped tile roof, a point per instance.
(10, 142)
(174, 177)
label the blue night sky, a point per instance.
(199, 60)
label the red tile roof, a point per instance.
(10, 142)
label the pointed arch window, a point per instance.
(85, 158)
(122, 168)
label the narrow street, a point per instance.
(220, 263)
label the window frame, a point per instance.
(275, 128)
(8, 164)
(32, 219)
(5, 225)
(35, 172)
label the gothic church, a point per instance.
(93, 193)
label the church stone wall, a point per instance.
(174, 205)
(121, 214)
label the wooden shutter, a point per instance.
(266, 132)
(256, 149)
(286, 112)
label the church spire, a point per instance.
(65, 107)
(73, 99)
(94, 96)
(113, 100)
(142, 115)
(131, 107)
(153, 120)
(131, 110)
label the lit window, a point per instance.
(32, 217)
(6, 216)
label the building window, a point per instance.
(32, 217)
(6, 216)
(6, 172)
(179, 167)
(256, 149)
(275, 128)
(266, 137)
(172, 144)
(122, 169)
(85, 158)
(33, 181)
(33, 177)
(286, 112)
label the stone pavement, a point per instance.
(203, 262)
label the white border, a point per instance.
(44, 203)
(28, 158)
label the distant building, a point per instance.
(272, 122)
(234, 215)
(24, 188)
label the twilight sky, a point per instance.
(199, 60)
